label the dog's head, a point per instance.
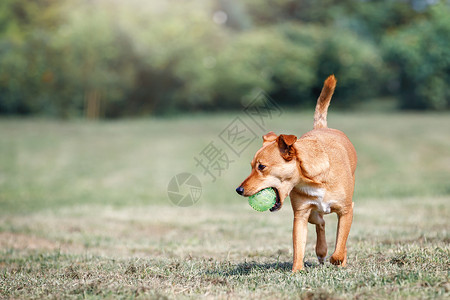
(282, 163)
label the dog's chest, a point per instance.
(313, 196)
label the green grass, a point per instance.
(84, 213)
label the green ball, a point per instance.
(263, 200)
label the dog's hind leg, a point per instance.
(321, 244)
(339, 256)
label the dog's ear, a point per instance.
(285, 145)
(314, 161)
(268, 138)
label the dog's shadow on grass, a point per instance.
(252, 267)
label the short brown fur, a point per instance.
(317, 171)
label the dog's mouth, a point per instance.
(277, 204)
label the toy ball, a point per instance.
(263, 200)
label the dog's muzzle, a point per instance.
(240, 190)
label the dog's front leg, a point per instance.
(299, 237)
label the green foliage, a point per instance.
(103, 58)
(264, 59)
(25, 29)
(357, 64)
(421, 55)
(90, 59)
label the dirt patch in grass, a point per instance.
(20, 241)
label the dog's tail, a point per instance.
(320, 115)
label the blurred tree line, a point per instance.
(112, 58)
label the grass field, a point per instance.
(84, 213)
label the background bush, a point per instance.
(112, 58)
(420, 55)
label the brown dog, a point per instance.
(317, 171)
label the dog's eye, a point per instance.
(261, 167)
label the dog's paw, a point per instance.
(338, 260)
(321, 259)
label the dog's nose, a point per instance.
(240, 190)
